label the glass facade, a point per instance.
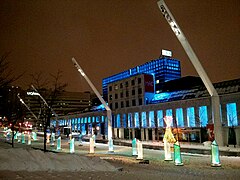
(169, 113)
(136, 120)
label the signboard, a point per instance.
(166, 53)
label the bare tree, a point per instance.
(50, 90)
(7, 76)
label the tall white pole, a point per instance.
(109, 112)
(197, 65)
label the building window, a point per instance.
(203, 116)
(144, 120)
(133, 102)
(127, 93)
(116, 87)
(179, 117)
(160, 118)
(151, 119)
(140, 101)
(139, 80)
(116, 105)
(126, 83)
(191, 117)
(157, 81)
(121, 95)
(127, 103)
(122, 104)
(139, 90)
(232, 114)
(116, 96)
(136, 120)
(110, 97)
(110, 105)
(110, 88)
(118, 122)
(124, 120)
(121, 85)
(129, 120)
(133, 82)
(169, 113)
(133, 92)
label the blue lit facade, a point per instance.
(163, 69)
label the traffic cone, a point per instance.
(177, 154)
(134, 147)
(215, 155)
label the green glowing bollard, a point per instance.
(52, 141)
(23, 138)
(34, 135)
(110, 143)
(16, 136)
(177, 154)
(72, 146)
(59, 143)
(215, 155)
(134, 147)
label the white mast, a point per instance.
(197, 65)
(109, 112)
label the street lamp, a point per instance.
(109, 111)
(197, 65)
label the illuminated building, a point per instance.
(163, 69)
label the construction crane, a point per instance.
(197, 65)
(109, 111)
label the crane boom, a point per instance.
(197, 65)
(109, 112)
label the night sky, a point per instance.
(109, 36)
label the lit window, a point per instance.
(191, 117)
(169, 113)
(144, 120)
(160, 118)
(151, 119)
(203, 116)
(232, 114)
(136, 120)
(179, 117)
(157, 81)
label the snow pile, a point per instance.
(18, 159)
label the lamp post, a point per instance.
(197, 65)
(109, 111)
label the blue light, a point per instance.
(136, 120)
(191, 117)
(203, 116)
(232, 114)
(151, 119)
(160, 118)
(144, 120)
(161, 96)
(169, 113)
(179, 117)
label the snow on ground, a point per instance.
(19, 159)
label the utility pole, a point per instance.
(109, 111)
(201, 72)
